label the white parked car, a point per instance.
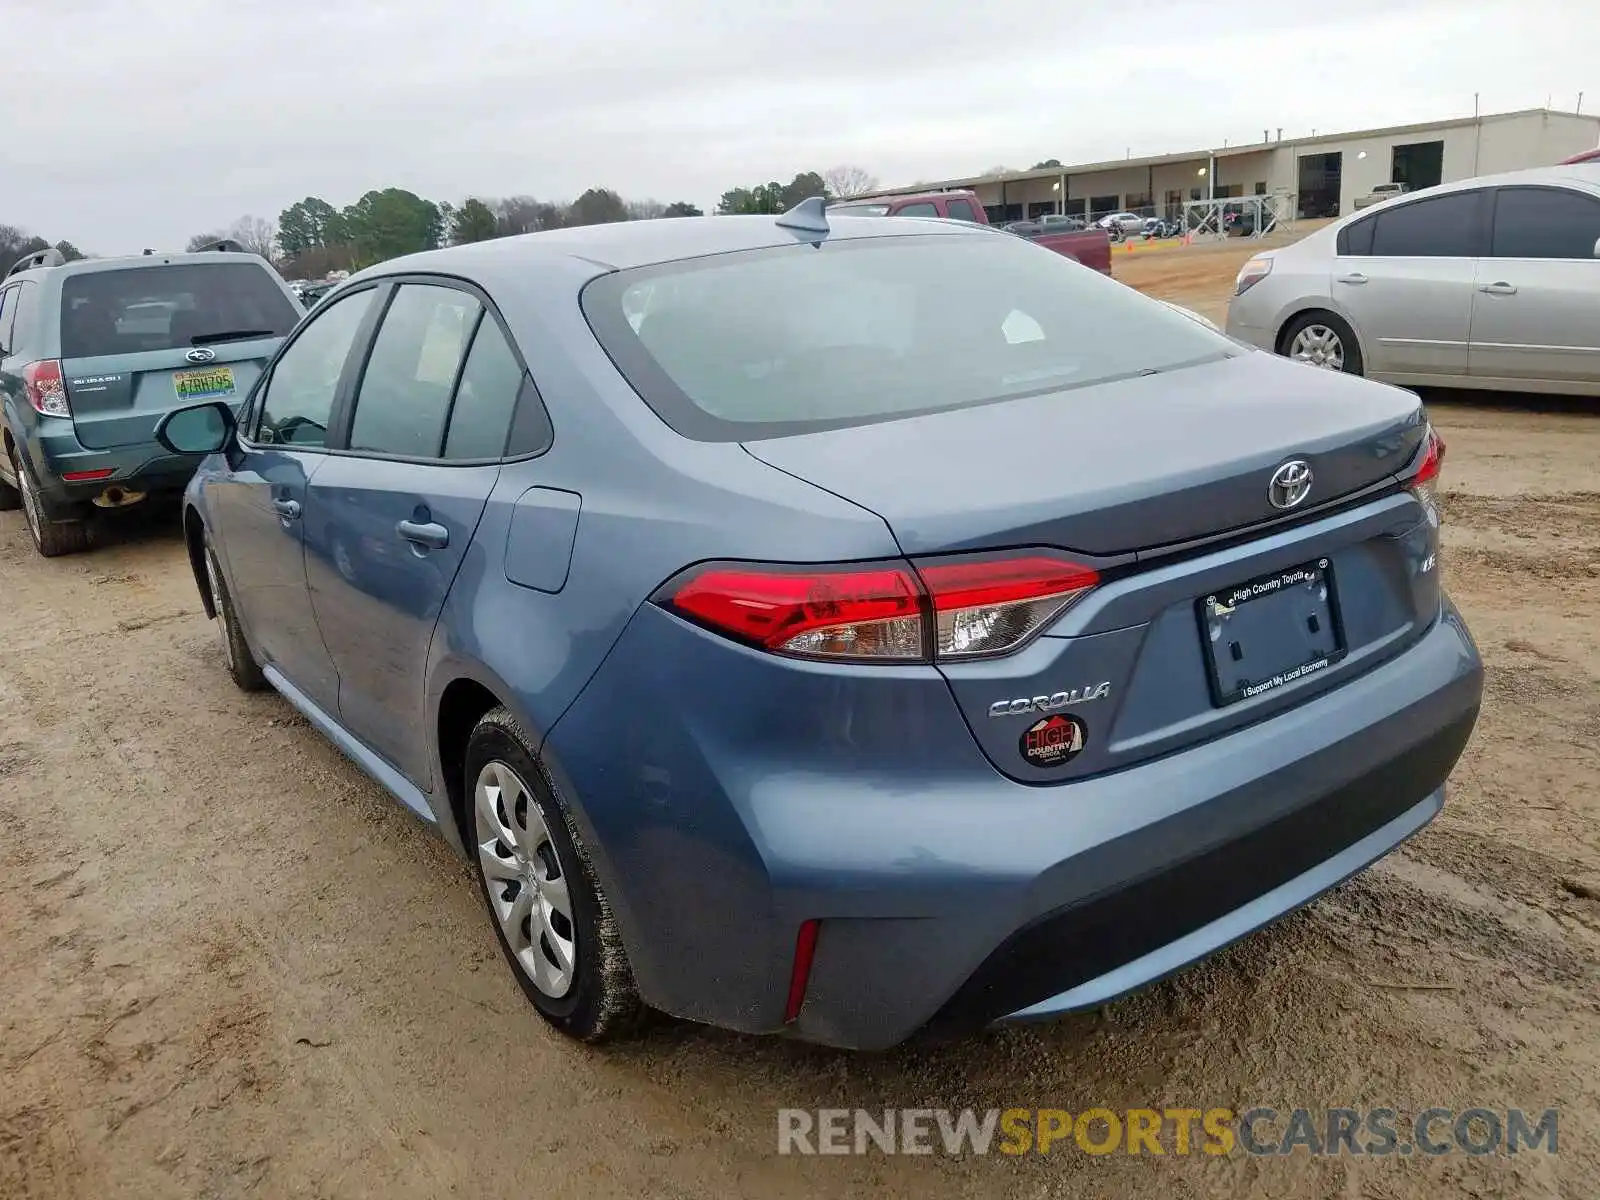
(1488, 283)
(1126, 221)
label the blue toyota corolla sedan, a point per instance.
(836, 626)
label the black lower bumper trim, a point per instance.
(1072, 945)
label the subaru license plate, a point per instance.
(209, 384)
(1271, 631)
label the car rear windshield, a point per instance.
(798, 338)
(169, 306)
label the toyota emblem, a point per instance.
(200, 354)
(1290, 485)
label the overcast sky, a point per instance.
(128, 124)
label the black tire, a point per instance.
(602, 1001)
(10, 498)
(242, 665)
(1350, 348)
(51, 537)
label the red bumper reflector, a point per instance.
(805, 946)
(80, 476)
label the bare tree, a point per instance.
(257, 235)
(645, 210)
(846, 181)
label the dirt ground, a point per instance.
(229, 966)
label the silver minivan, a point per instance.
(1488, 283)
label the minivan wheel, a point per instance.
(242, 665)
(51, 538)
(549, 913)
(1320, 339)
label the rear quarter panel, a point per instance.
(1091, 247)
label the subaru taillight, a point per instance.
(951, 608)
(45, 388)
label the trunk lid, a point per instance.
(1113, 468)
(1209, 635)
(118, 399)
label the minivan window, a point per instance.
(793, 339)
(299, 397)
(1545, 223)
(404, 395)
(170, 306)
(1441, 227)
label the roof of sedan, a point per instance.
(626, 244)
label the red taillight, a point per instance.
(81, 476)
(943, 608)
(1424, 482)
(988, 606)
(837, 612)
(45, 388)
(1432, 460)
(805, 948)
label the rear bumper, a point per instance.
(56, 452)
(947, 893)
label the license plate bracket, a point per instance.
(207, 383)
(1270, 631)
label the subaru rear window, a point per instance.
(171, 306)
(797, 339)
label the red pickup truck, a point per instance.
(1091, 247)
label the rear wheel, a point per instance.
(1320, 339)
(51, 537)
(549, 913)
(242, 664)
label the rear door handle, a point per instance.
(1353, 277)
(425, 533)
(289, 510)
(1498, 289)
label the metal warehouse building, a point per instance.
(1320, 176)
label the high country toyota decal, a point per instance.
(1023, 705)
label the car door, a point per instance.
(390, 515)
(1404, 277)
(257, 511)
(1536, 308)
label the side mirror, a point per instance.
(199, 429)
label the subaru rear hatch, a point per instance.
(139, 341)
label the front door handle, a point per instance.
(289, 510)
(1353, 277)
(425, 533)
(1498, 289)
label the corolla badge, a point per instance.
(201, 355)
(1290, 484)
(1023, 705)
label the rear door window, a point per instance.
(1545, 223)
(961, 210)
(170, 306)
(1442, 227)
(404, 397)
(8, 312)
(922, 208)
(298, 404)
(480, 418)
